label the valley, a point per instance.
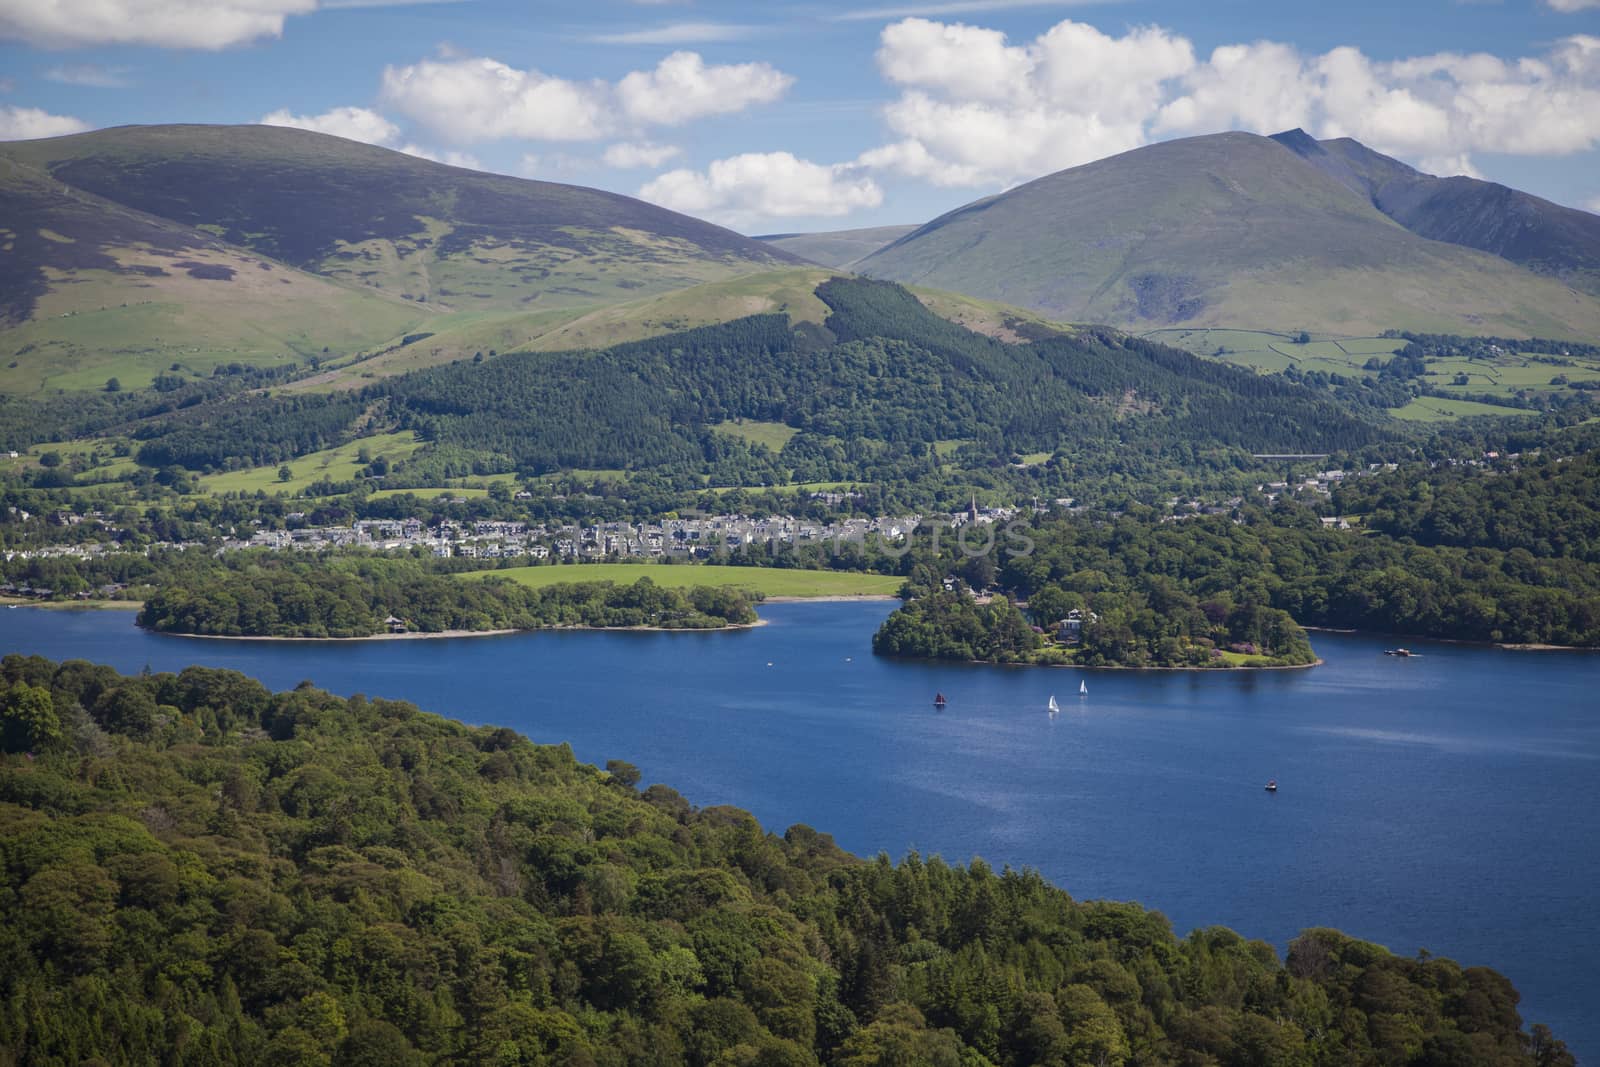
(1126, 431)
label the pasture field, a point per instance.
(768, 581)
(92, 459)
(1443, 409)
(1508, 375)
(339, 464)
(772, 434)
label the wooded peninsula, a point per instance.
(361, 596)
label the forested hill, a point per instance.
(870, 393)
(197, 871)
(885, 377)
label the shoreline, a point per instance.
(418, 635)
(1508, 646)
(832, 598)
(1318, 662)
(72, 605)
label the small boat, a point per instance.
(1052, 707)
(1272, 785)
(1398, 652)
(1083, 688)
(939, 701)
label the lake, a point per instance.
(1450, 801)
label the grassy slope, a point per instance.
(987, 317)
(1231, 229)
(765, 580)
(838, 248)
(462, 336)
(339, 464)
(772, 434)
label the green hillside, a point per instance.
(1223, 230)
(790, 291)
(870, 394)
(139, 251)
(838, 248)
(91, 290)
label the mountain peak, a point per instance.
(1299, 142)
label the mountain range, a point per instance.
(138, 251)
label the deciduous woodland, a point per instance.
(198, 871)
(1155, 593)
(357, 597)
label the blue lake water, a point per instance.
(1448, 802)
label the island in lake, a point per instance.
(1180, 633)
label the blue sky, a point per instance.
(819, 115)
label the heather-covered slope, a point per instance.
(433, 233)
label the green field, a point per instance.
(772, 434)
(765, 580)
(339, 464)
(1271, 351)
(1439, 409)
(1507, 375)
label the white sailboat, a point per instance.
(1053, 707)
(1083, 688)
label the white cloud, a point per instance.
(469, 99)
(27, 123)
(683, 87)
(364, 124)
(481, 99)
(757, 186)
(454, 159)
(1449, 166)
(679, 33)
(90, 75)
(954, 7)
(1593, 206)
(978, 109)
(1569, 6)
(207, 24)
(965, 61)
(353, 123)
(556, 167)
(630, 155)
